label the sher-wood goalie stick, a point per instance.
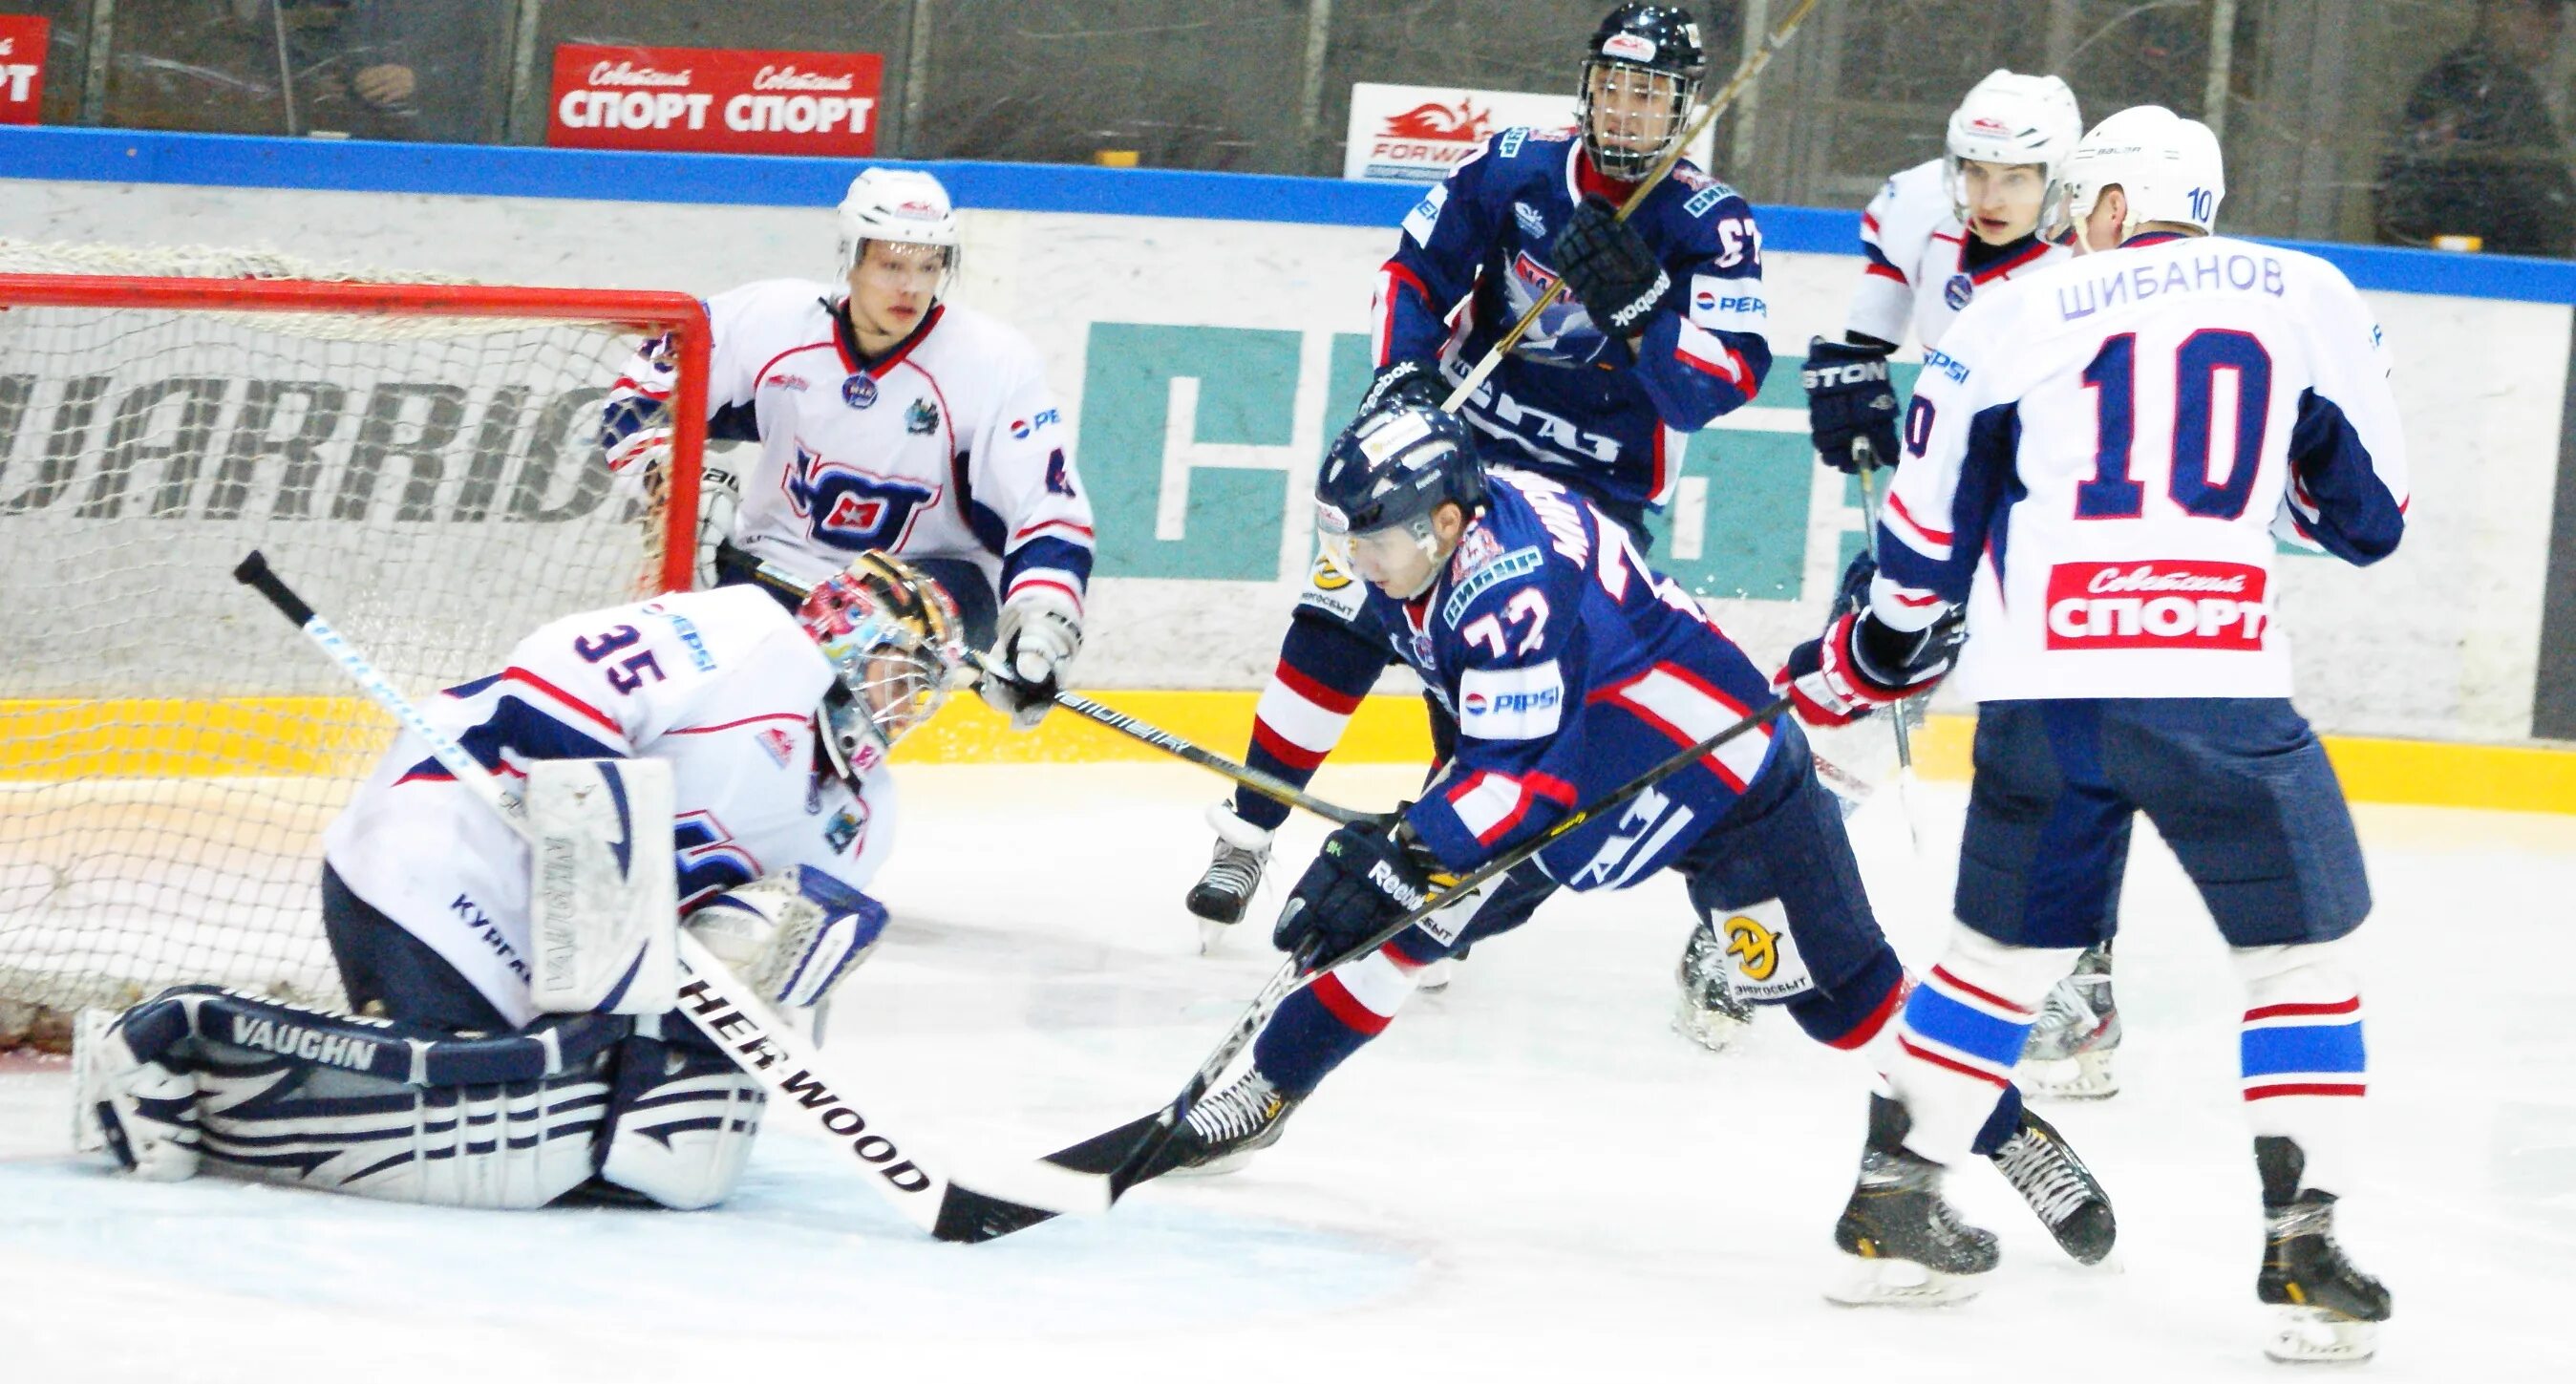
(1745, 73)
(731, 1016)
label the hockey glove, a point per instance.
(792, 937)
(1851, 408)
(1861, 664)
(1038, 634)
(1368, 875)
(1610, 269)
(1415, 382)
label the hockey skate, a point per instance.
(2061, 1191)
(2324, 1308)
(1224, 1130)
(143, 1113)
(1908, 1246)
(2070, 1049)
(1707, 1010)
(1225, 891)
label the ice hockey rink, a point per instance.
(1528, 1177)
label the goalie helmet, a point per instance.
(2012, 118)
(1387, 475)
(2168, 168)
(892, 638)
(1656, 44)
(903, 205)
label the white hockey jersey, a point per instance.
(949, 446)
(722, 684)
(2099, 456)
(1917, 272)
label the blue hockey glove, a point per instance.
(1851, 407)
(1415, 382)
(1860, 664)
(1610, 269)
(1368, 875)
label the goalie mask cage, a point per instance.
(421, 460)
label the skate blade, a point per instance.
(1898, 1283)
(1436, 976)
(2085, 1076)
(1217, 1167)
(1212, 935)
(2313, 1336)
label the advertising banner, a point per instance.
(22, 68)
(715, 100)
(1416, 134)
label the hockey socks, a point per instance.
(1962, 1033)
(2300, 1051)
(1320, 1026)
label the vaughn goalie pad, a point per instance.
(603, 901)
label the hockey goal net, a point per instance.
(420, 459)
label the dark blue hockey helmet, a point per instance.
(1641, 76)
(1383, 480)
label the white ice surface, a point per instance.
(1528, 1177)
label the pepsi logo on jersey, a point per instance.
(1022, 427)
(2163, 604)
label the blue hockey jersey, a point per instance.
(1569, 401)
(1570, 669)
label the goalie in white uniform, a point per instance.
(1936, 236)
(450, 1087)
(888, 421)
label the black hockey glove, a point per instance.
(1415, 382)
(1851, 408)
(1368, 875)
(1610, 269)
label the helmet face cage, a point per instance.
(892, 639)
(1648, 53)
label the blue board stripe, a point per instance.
(153, 156)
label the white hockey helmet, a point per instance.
(2167, 167)
(904, 205)
(2013, 118)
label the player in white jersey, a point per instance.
(891, 421)
(2099, 459)
(1934, 236)
(450, 1087)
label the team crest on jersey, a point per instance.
(922, 419)
(859, 391)
(1958, 291)
(1756, 948)
(1530, 220)
(1476, 547)
(853, 510)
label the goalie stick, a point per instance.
(1745, 73)
(1147, 1136)
(726, 1011)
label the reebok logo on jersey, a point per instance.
(2165, 604)
(783, 380)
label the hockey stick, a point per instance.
(737, 1021)
(1866, 456)
(1745, 74)
(1119, 721)
(1148, 1136)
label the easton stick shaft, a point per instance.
(732, 1017)
(1745, 73)
(1294, 973)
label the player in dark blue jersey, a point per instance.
(1569, 668)
(1659, 334)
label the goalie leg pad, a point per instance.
(136, 1109)
(680, 1122)
(601, 910)
(380, 1109)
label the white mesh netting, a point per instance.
(169, 748)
